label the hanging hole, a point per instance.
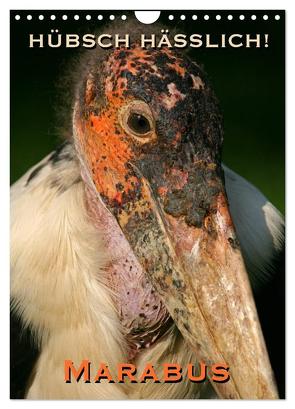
(147, 17)
(171, 17)
(277, 17)
(182, 17)
(194, 17)
(123, 17)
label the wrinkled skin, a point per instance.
(161, 193)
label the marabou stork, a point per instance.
(128, 241)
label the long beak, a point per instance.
(198, 270)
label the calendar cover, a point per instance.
(147, 202)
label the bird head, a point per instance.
(149, 134)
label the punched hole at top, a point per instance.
(147, 17)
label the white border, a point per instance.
(4, 180)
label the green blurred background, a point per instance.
(249, 84)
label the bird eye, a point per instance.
(138, 123)
(136, 118)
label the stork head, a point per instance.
(149, 133)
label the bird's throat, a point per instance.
(143, 315)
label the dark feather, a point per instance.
(23, 357)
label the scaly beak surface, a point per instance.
(195, 263)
